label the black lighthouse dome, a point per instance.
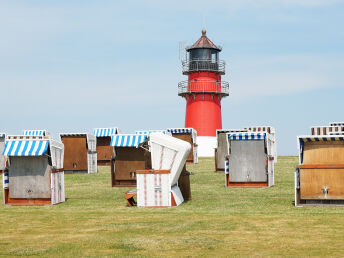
(203, 55)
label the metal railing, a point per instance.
(203, 65)
(213, 87)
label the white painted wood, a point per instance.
(92, 163)
(2, 158)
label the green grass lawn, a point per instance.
(95, 221)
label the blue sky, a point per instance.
(75, 65)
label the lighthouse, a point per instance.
(203, 92)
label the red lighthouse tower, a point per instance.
(203, 92)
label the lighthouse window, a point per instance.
(213, 57)
(200, 54)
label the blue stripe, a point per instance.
(32, 148)
(117, 139)
(18, 147)
(25, 147)
(39, 148)
(45, 148)
(128, 140)
(11, 147)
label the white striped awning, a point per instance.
(246, 136)
(26, 147)
(180, 130)
(35, 132)
(127, 140)
(148, 132)
(104, 132)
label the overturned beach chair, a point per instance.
(104, 150)
(34, 172)
(250, 160)
(158, 186)
(221, 150)
(128, 158)
(80, 152)
(189, 135)
(319, 177)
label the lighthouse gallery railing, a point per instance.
(203, 65)
(214, 87)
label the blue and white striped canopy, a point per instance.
(246, 136)
(127, 140)
(104, 132)
(26, 147)
(35, 132)
(324, 138)
(148, 132)
(180, 130)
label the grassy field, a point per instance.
(95, 221)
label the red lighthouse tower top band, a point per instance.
(204, 89)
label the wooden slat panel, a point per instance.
(75, 153)
(312, 182)
(21, 201)
(29, 177)
(104, 150)
(188, 138)
(104, 153)
(323, 152)
(127, 161)
(184, 185)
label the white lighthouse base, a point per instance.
(206, 146)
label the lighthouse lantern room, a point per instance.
(203, 92)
